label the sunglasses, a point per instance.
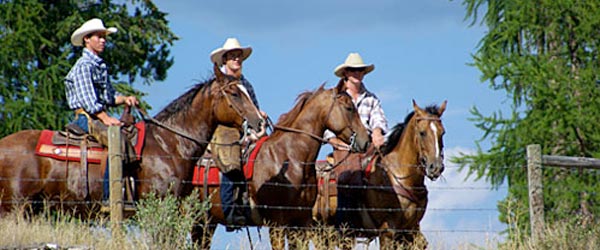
(233, 55)
(355, 69)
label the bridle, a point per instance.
(185, 135)
(419, 165)
(319, 138)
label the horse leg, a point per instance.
(277, 236)
(202, 234)
(297, 238)
(387, 240)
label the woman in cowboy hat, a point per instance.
(352, 73)
(88, 88)
(225, 151)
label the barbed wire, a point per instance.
(318, 161)
(431, 187)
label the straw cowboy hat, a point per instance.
(231, 44)
(353, 61)
(92, 25)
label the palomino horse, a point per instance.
(284, 175)
(175, 139)
(394, 197)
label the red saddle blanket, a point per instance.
(46, 148)
(214, 177)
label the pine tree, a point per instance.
(545, 55)
(36, 55)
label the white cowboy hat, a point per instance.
(216, 56)
(92, 25)
(353, 61)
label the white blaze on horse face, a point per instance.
(435, 136)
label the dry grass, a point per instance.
(164, 223)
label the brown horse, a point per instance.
(284, 180)
(175, 139)
(395, 198)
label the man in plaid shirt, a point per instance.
(349, 172)
(88, 88)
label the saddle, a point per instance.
(345, 168)
(74, 145)
(206, 173)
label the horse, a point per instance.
(393, 197)
(283, 177)
(175, 138)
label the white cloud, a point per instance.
(461, 211)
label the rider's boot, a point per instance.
(232, 188)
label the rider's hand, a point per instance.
(127, 100)
(338, 144)
(377, 138)
(263, 114)
(108, 120)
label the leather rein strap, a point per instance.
(146, 117)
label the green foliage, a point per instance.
(545, 56)
(36, 55)
(168, 220)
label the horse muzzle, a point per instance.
(433, 169)
(252, 132)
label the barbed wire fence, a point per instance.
(533, 187)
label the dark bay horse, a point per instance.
(395, 198)
(282, 189)
(175, 139)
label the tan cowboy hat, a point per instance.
(92, 25)
(231, 44)
(353, 61)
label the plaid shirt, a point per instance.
(370, 112)
(88, 85)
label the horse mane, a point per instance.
(183, 102)
(286, 119)
(396, 132)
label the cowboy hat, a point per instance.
(353, 61)
(216, 56)
(92, 25)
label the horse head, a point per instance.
(343, 119)
(429, 133)
(233, 105)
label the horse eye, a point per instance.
(422, 133)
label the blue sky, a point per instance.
(420, 50)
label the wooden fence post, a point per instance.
(536, 193)
(115, 178)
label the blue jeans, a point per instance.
(82, 122)
(226, 194)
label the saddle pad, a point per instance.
(62, 152)
(46, 148)
(213, 177)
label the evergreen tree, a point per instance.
(545, 55)
(36, 55)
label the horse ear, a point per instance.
(340, 87)
(416, 107)
(218, 74)
(442, 107)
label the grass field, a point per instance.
(165, 223)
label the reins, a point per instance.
(176, 131)
(288, 129)
(146, 117)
